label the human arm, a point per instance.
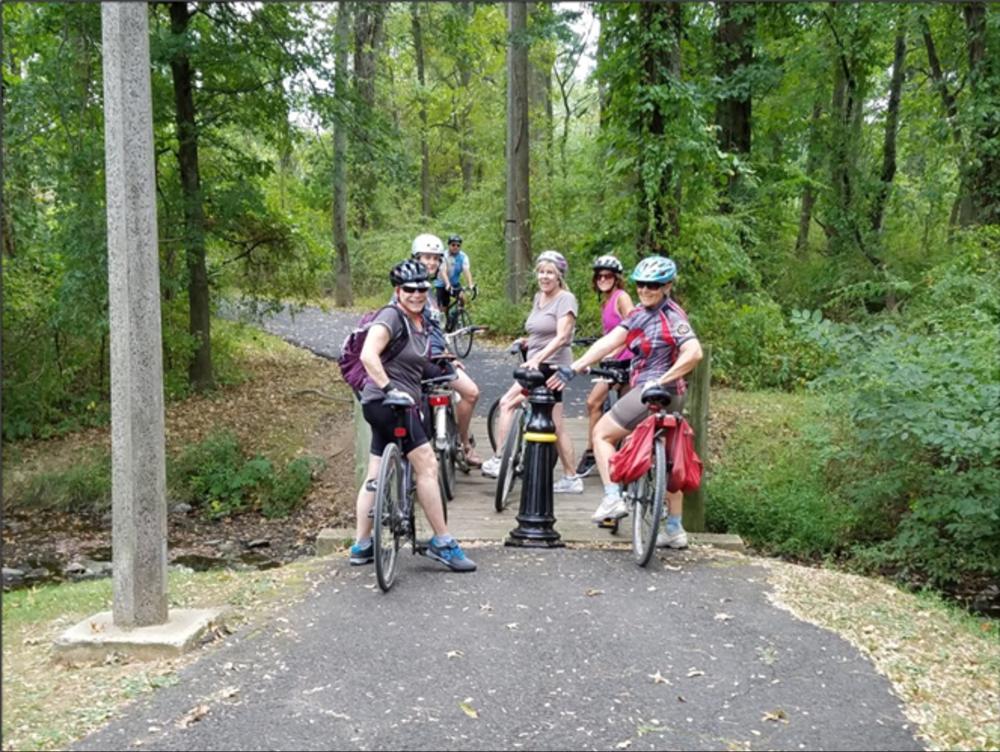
(609, 343)
(375, 344)
(688, 357)
(468, 272)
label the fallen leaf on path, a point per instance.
(454, 654)
(512, 626)
(194, 715)
(775, 715)
(723, 617)
(658, 678)
(695, 672)
(593, 591)
(468, 709)
(624, 745)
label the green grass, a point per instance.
(768, 483)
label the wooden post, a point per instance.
(701, 377)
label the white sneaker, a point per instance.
(676, 539)
(611, 508)
(568, 484)
(491, 468)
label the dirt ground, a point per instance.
(292, 404)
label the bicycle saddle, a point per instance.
(656, 394)
(531, 378)
(401, 401)
(448, 377)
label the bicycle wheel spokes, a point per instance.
(649, 493)
(463, 340)
(509, 461)
(388, 497)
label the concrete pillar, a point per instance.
(139, 508)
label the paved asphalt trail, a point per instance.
(556, 649)
(551, 649)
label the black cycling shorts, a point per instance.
(382, 420)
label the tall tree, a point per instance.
(734, 58)
(368, 36)
(891, 129)
(813, 152)
(343, 290)
(517, 227)
(984, 85)
(425, 155)
(200, 368)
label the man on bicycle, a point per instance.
(664, 349)
(427, 249)
(454, 266)
(397, 379)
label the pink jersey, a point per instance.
(610, 319)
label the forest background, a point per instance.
(826, 176)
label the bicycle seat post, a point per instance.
(535, 519)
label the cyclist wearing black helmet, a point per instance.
(456, 265)
(399, 378)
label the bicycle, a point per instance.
(646, 496)
(442, 428)
(458, 322)
(394, 510)
(616, 373)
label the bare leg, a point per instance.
(467, 388)
(564, 444)
(425, 473)
(595, 402)
(510, 400)
(366, 500)
(675, 502)
(606, 434)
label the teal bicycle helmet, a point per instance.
(655, 269)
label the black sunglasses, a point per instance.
(413, 290)
(649, 285)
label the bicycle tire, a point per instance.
(492, 421)
(651, 491)
(461, 462)
(388, 500)
(463, 341)
(510, 460)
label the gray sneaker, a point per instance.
(611, 508)
(676, 539)
(567, 484)
(451, 555)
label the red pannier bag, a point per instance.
(685, 473)
(635, 456)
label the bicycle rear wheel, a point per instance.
(388, 501)
(649, 493)
(493, 423)
(463, 341)
(510, 461)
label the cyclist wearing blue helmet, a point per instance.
(664, 349)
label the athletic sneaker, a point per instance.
(672, 538)
(361, 555)
(568, 484)
(587, 464)
(491, 468)
(611, 508)
(451, 555)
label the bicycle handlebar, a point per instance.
(615, 375)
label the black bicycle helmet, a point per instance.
(411, 273)
(455, 239)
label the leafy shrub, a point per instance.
(215, 477)
(82, 488)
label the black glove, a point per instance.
(565, 374)
(516, 347)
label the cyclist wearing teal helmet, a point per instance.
(664, 349)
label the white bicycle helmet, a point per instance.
(555, 258)
(608, 262)
(427, 243)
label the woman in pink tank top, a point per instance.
(615, 306)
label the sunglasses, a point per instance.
(413, 290)
(604, 275)
(649, 285)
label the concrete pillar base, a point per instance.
(94, 638)
(330, 540)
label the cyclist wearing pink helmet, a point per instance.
(550, 327)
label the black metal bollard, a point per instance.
(535, 520)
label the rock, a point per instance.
(12, 577)
(180, 508)
(38, 574)
(74, 569)
(229, 548)
(106, 519)
(987, 601)
(259, 543)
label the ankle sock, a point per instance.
(363, 542)
(673, 522)
(442, 541)
(612, 489)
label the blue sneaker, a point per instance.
(451, 555)
(361, 555)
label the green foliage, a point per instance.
(83, 488)
(215, 477)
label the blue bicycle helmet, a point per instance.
(655, 269)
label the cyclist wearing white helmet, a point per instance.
(550, 329)
(615, 306)
(664, 349)
(428, 250)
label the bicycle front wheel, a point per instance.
(649, 493)
(388, 503)
(463, 339)
(510, 461)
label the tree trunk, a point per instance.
(517, 227)
(200, 369)
(425, 154)
(808, 194)
(540, 75)
(891, 128)
(343, 291)
(368, 23)
(984, 82)
(734, 44)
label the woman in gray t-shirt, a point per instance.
(550, 328)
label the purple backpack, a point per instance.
(349, 361)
